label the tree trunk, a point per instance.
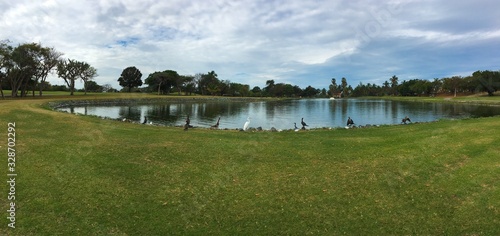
(72, 87)
(159, 87)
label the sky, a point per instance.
(252, 41)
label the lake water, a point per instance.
(282, 114)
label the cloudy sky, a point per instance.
(252, 41)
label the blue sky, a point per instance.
(252, 41)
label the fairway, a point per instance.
(82, 175)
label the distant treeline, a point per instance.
(478, 82)
(25, 68)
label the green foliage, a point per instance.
(162, 81)
(71, 70)
(130, 78)
(479, 81)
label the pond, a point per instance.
(282, 114)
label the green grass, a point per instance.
(87, 176)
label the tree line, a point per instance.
(169, 81)
(479, 82)
(25, 68)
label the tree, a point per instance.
(92, 86)
(394, 84)
(209, 83)
(269, 88)
(452, 84)
(386, 87)
(71, 70)
(257, 91)
(488, 80)
(162, 81)
(4, 58)
(344, 87)
(309, 91)
(130, 78)
(22, 64)
(107, 88)
(49, 59)
(87, 73)
(189, 84)
(333, 87)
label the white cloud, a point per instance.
(251, 41)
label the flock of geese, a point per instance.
(246, 126)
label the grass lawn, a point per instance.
(79, 175)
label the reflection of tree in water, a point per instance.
(215, 109)
(282, 114)
(130, 112)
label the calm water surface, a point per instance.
(282, 114)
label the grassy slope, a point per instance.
(84, 175)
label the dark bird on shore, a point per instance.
(406, 119)
(216, 126)
(145, 120)
(303, 124)
(188, 122)
(350, 122)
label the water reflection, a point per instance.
(282, 114)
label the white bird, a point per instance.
(296, 129)
(245, 126)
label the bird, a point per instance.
(296, 128)
(303, 124)
(188, 122)
(145, 120)
(245, 126)
(350, 122)
(405, 120)
(216, 126)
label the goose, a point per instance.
(216, 126)
(406, 119)
(303, 124)
(145, 120)
(296, 128)
(350, 122)
(188, 122)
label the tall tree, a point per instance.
(87, 73)
(344, 87)
(333, 87)
(488, 80)
(189, 84)
(394, 84)
(130, 78)
(48, 61)
(452, 84)
(162, 81)
(269, 89)
(209, 83)
(71, 70)
(22, 65)
(5, 51)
